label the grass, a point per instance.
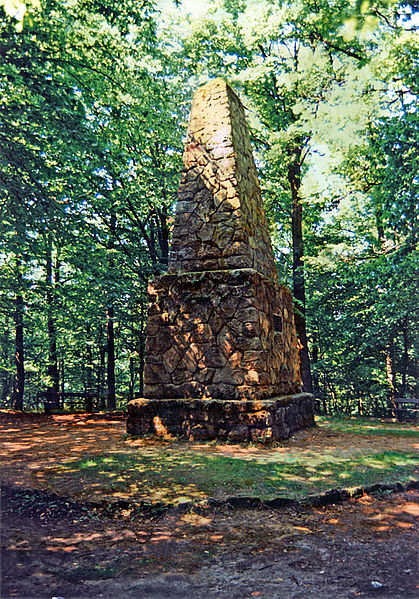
(171, 477)
(173, 472)
(366, 426)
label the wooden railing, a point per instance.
(61, 401)
(404, 405)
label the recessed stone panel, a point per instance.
(225, 330)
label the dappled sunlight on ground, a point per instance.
(91, 458)
(346, 545)
(52, 547)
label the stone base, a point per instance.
(224, 334)
(230, 420)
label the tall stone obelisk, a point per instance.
(220, 327)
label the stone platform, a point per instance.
(263, 421)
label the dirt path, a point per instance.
(362, 548)
(56, 546)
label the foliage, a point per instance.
(90, 165)
(94, 107)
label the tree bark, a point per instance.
(100, 373)
(131, 357)
(110, 333)
(52, 372)
(405, 356)
(6, 382)
(294, 178)
(390, 378)
(163, 234)
(315, 378)
(360, 405)
(19, 382)
(110, 397)
(141, 348)
(89, 382)
(62, 376)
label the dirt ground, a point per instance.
(56, 546)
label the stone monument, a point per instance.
(222, 355)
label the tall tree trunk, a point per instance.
(163, 233)
(5, 387)
(294, 178)
(131, 378)
(110, 346)
(19, 382)
(141, 348)
(89, 372)
(62, 381)
(360, 405)
(110, 333)
(52, 372)
(405, 356)
(315, 377)
(100, 377)
(6, 379)
(131, 357)
(391, 393)
(333, 406)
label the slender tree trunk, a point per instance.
(391, 393)
(89, 362)
(315, 377)
(141, 348)
(294, 178)
(334, 404)
(52, 372)
(110, 346)
(5, 388)
(89, 372)
(405, 356)
(163, 234)
(324, 402)
(100, 377)
(315, 359)
(131, 359)
(19, 382)
(131, 378)
(62, 381)
(6, 379)
(110, 333)
(360, 405)
(380, 228)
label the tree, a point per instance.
(317, 76)
(88, 166)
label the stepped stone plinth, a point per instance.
(222, 354)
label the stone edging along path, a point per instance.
(330, 497)
(39, 500)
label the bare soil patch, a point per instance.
(366, 548)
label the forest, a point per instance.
(95, 98)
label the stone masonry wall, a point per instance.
(236, 421)
(220, 334)
(219, 323)
(220, 221)
(222, 354)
